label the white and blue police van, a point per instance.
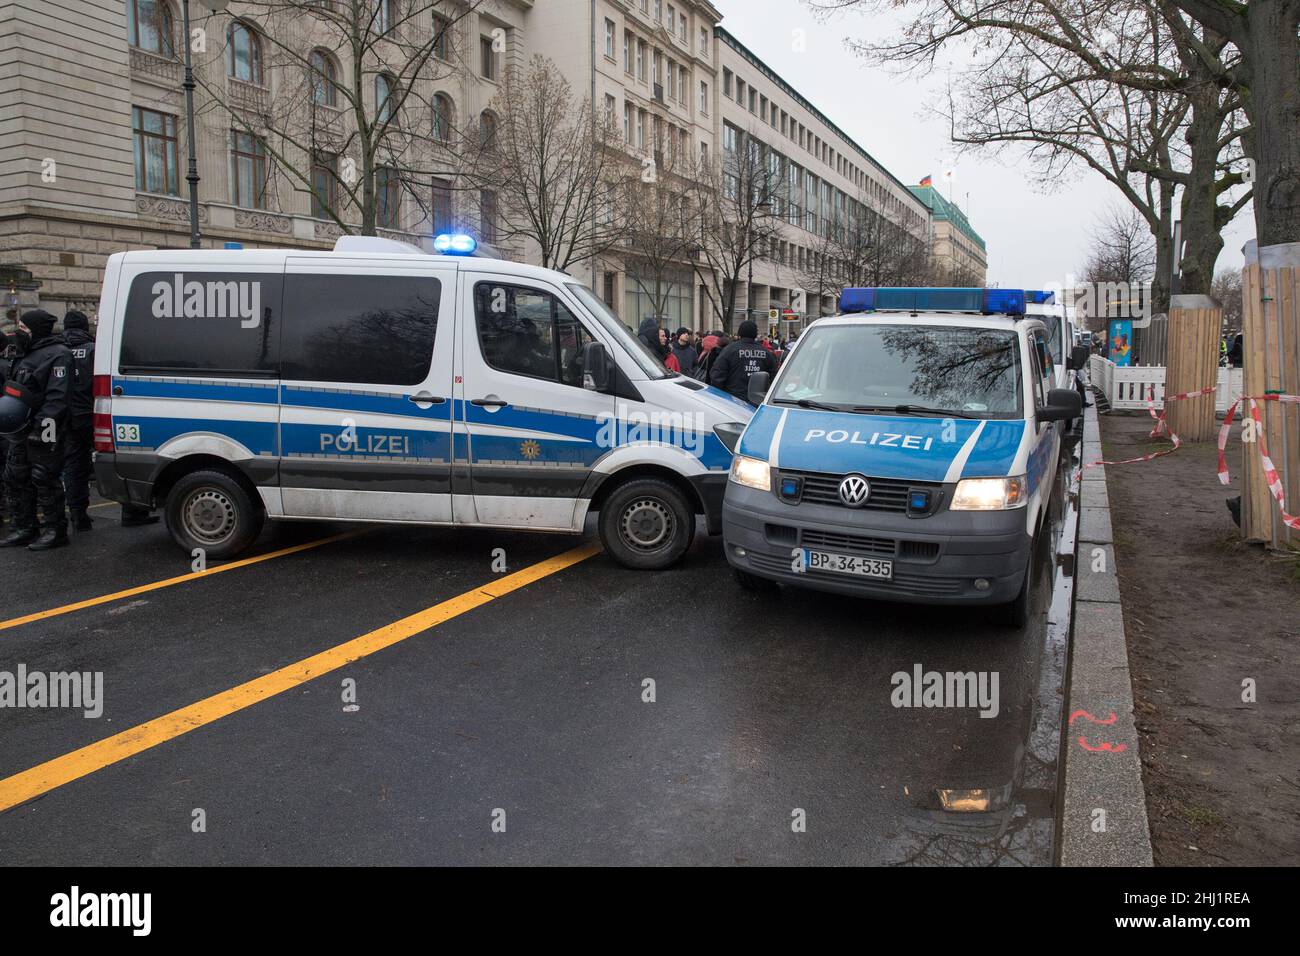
(377, 383)
(907, 450)
(1062, 341)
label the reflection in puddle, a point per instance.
(967, 821)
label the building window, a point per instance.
(385, 99)
(640, 60)
(149, 26)
(488, 215)
(324, 79)
(627, 52)
(704, 42)
(383, 15)
(704, 98)
(156, 169)
(324, 185)
(441, 37)
(488, 58)
(609, 39)
(672, 80)
(442, 209)
(442, 117)
(683, 87)
(640, 128)
(672, 20)
(248, 170)
(244, 54)
(726, 83)
(388, 197)
(704, 154)
(487, 130)
(611, 105)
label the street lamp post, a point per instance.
(192, 162)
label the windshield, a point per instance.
(647, 360)
(974, 372)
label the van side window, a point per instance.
(365, 329)
(529, 332)
(1042, 368)
(203, 323)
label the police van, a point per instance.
(907, 450)
(378, 383)
(1062, 341)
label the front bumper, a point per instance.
(711, 487)
(936, 559)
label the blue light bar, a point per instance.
(1040, 297)
(1009, 301)
(455, 244)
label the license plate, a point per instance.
(847, 564)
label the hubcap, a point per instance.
(647, 524)
(209, 516)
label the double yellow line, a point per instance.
(79, 763)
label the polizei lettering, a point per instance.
(209, 299)
(368, 444)
(884, 439)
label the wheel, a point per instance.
(212, 511)
(1016, 612)
(752, 582)
(646, 524)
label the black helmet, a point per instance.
(16, 404)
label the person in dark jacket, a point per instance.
(80, 437)
(1235, 351)
(35, 463)
(652, 336)
(6, 359)
(741, 359)
(684, 352)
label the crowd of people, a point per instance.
(715, 357)
(47, 431)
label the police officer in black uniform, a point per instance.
(741, 359)
(34, 467)
(81, 432)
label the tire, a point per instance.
(646, 524)
(1016, 612)
(752, 582)
(212, 511)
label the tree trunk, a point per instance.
(1272, 103)
(1199, 204)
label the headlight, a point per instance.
(989, 494)
(751, 472)
(729, 433)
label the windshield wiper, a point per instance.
(914, 410)
(808, 403)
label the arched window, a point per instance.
(324, 76)
(385, 98)
(149, 26)
(442, 117)
(244, 54)
(487, 129)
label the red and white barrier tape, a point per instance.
(1270, 470)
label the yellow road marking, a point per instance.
(80, 763)
(169, 582)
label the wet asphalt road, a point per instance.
(529, 707)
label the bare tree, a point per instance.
(732, 210)
(1227, 292)
(352, 121)
(553, 163)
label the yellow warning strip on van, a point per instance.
(80, 763)
(179, 579)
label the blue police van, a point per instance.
(378, 383)
(907, 450)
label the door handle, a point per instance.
(489, 403)
(425, 400)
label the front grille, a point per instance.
(886, 494)
(849, 543)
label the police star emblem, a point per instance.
(530, 450)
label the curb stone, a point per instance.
(1103, 808)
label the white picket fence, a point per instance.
(1131, 386)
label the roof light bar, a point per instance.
(988, 301)
(454, 244)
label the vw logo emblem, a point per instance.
(854, 491)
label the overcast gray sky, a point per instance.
(1033, 237)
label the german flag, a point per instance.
(927, 181)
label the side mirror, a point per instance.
(1062, 405)
(1078, 358)
(596, 367)
(758, 383)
